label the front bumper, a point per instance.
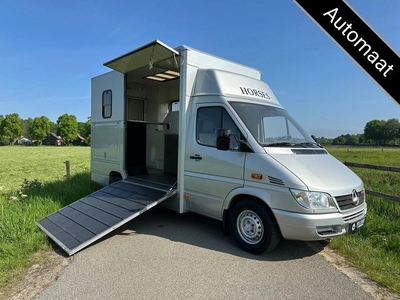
(314, 227)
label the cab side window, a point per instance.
(209, 120)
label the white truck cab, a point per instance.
(211, 131)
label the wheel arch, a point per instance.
(114, 176)
(236, 199)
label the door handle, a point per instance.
(196, 157)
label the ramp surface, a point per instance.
(83, 222)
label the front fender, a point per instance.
(276, 197)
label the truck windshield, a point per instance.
(272, 126)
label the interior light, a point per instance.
(155, 78)
(163, 75)
(172, 73)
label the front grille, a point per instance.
(346, 202)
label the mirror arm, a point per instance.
(242, 142)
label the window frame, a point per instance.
(223, 114)
(106, 107)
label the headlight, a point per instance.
(314, 200)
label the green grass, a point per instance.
(45, 163)
(375, 249)
(377, 156)
(46, 191)
(379, 181)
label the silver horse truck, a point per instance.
(201, 134)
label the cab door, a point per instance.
(210, 174)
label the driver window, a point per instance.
(209, 120)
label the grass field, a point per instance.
(44, 191)
(380, 181)
(46, 164)
(374, 248)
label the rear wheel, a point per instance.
(253, 227)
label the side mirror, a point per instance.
(223, 139)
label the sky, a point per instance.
(50, 50)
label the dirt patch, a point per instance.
(38, 276)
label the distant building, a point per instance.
(53, 139)
(80, 141)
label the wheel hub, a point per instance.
(250, 227)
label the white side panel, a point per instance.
(115, 82)
(107, 144)
(202, 60)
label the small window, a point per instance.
(107, 104)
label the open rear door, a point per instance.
(154, 54)
(81, 223)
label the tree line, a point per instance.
(12, 128)
(376, 133)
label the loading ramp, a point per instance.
(83, 222)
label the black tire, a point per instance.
(253, 227)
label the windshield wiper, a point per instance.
(311, 144)
(286, 144)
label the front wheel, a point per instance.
(253, 227)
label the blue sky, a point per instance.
(51, 49)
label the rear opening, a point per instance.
(152, 126)
(152, 78)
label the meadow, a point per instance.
(33, 185)
(375, 249)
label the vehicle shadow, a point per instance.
(207, 233)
